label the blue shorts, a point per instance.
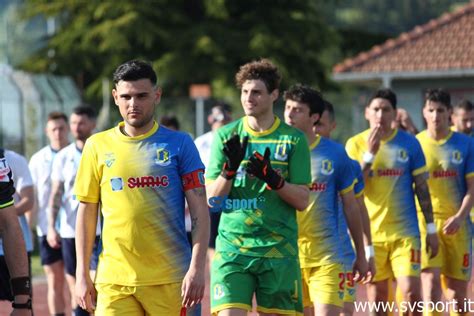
(68, 248)
(48, 255)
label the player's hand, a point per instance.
(432, 245)
(53, 238)
(234, 152)
(371, 270)
(360, 270)
(452, 225)
(86, 294)
(192, 289)
(375, 136)
(261, 167)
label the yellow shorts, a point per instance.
(454, 255)
(349, 285)
(397, 258)
(323, 285)
(115, 299)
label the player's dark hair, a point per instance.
(465, 105)
(170, 121)
(86, 110)
(262, 69)
(307, 95)
(134, 70)
(330, 108)
(438, 95)
(56, 115)
(386, 94)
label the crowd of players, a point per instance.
(110, 207)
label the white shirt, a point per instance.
(64, 169)
(40, 165)
(21, 179)
(203, 144)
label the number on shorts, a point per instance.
(465, 261)
(350, 279)
(342, 277)
(415, 256)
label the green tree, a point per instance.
(198, 41)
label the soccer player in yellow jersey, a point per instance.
(140, 173)
(450, 161)
(463, 118)
(392, 161)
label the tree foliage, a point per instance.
(188, 41)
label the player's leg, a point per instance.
(349, 292)
(378, 289)
(279, 288)
(232, 283)
(53, 266)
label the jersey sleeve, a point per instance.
(345, 176)
(470, 159)
(217, 158)
(87, 183)
(300, 163)
(417, 158)
(33, 169)
(189, 159)
(21, 172)
(57, 173)
(359, 184)
(351, 149)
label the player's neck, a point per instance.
(262, 122)
(131, 131)
(386, 133)
(79, 144)
(57, 146)
(438, 134)
(310, 136)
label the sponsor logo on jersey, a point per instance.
(402, 155)
(109, 159)
(147, 181)
(281, 152)
(445, 173)
(116, 184)
(456, 157)
(389, 172)
(218, 291)
(162, 157)
(327, 167)
(4, 170)
(318, 186)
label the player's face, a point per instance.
(255, 98)
(463, 120)
(436, 115)
(136, 101)
(380, 113)
(325, 125)
(81, 126)
(297, 115)
(56, 131)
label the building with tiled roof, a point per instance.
(439, 53)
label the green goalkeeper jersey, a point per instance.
(267, 228)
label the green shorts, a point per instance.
(276, 283)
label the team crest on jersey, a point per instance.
(218, 291)
(456, 157)
(327, 167)
(162, 157)
(402, 155)
(281, 152)
(116, 184)
(109, 159)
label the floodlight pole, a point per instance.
(199, 116)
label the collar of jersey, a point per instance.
(442, 140)
(392, 136)
(249, 130)
(315, 143)
(139, 137)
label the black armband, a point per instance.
(26, 305)
(21, 286)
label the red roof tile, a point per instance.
(445, 43)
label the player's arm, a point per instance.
(369, 248)
(86, 223)
(423, 194)
(354, 223)
(57, 191)
(192, 289)
(26, 201)
(452, 224)
(295, 195)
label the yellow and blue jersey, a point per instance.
(348, 253)
(450, 162)
(389, 194)
(138, 183)
(331, 175)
